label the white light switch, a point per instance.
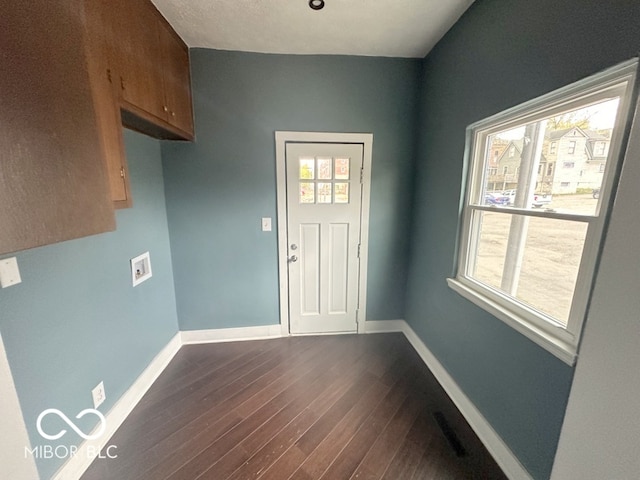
(9, 272)
(266, 224)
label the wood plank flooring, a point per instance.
(300, 408)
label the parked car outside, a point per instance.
(537, 199)
(495, 198)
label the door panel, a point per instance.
(323, 232)
(310, 267)
(338, 267)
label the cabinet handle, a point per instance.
(165, 108)
(109, 75)
(121, 172)
(122, 83)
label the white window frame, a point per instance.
(541, 328)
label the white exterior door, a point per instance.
(324, 198)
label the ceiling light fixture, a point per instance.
(316, 4)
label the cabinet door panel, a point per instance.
(52, 177)
(177, 79)
(106, 101)
(136, 54)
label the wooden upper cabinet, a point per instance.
(106, 102)
(150, 66)
(177, 79)
(137, 56)
(140, 79)
(53, 184)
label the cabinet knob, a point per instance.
(173, 114)
(165, 108)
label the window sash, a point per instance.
(615, 82)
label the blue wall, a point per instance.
(76, 320)
(218, 188)
(498, 55)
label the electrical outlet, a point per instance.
(266, 224)
(98, 395)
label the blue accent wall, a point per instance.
(498, 55)
(75, 319)
(218, 188)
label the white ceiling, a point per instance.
(387, 28)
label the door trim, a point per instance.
(284, 137)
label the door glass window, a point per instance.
(342, 169)
(307, 168)
(307, 192)
(318, 180)
(324, 169)
(324, 192)
(341, 193)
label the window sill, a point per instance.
(551, 343)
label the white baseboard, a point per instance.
(499, 450)
(230, 334)
(80, 462)
(384, 326)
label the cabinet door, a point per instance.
(136, 54)
(52, 177)
(106, 101)
(177, 79)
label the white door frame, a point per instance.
(14, 439)
(282, 138)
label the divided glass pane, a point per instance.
(307, 192)
(341, 193)
(307, 168)
(543, 274)
(324, 192)
(342, 168)
(557, 163)
(324, 169)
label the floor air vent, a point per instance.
(449, 434)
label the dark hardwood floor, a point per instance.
(331, 407)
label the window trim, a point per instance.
(561, 341)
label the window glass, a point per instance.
(342, 169)
(324, 169)
(534, 214)
(543, 272)
(522, 184)
(307, 192)
(324, 192)
(342, 193)
(307, 168)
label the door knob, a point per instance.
(294, 246)
(293, 259)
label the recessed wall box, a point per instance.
(9, 272)
(140, 268)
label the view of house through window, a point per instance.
(536, 259)
(540, 179)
